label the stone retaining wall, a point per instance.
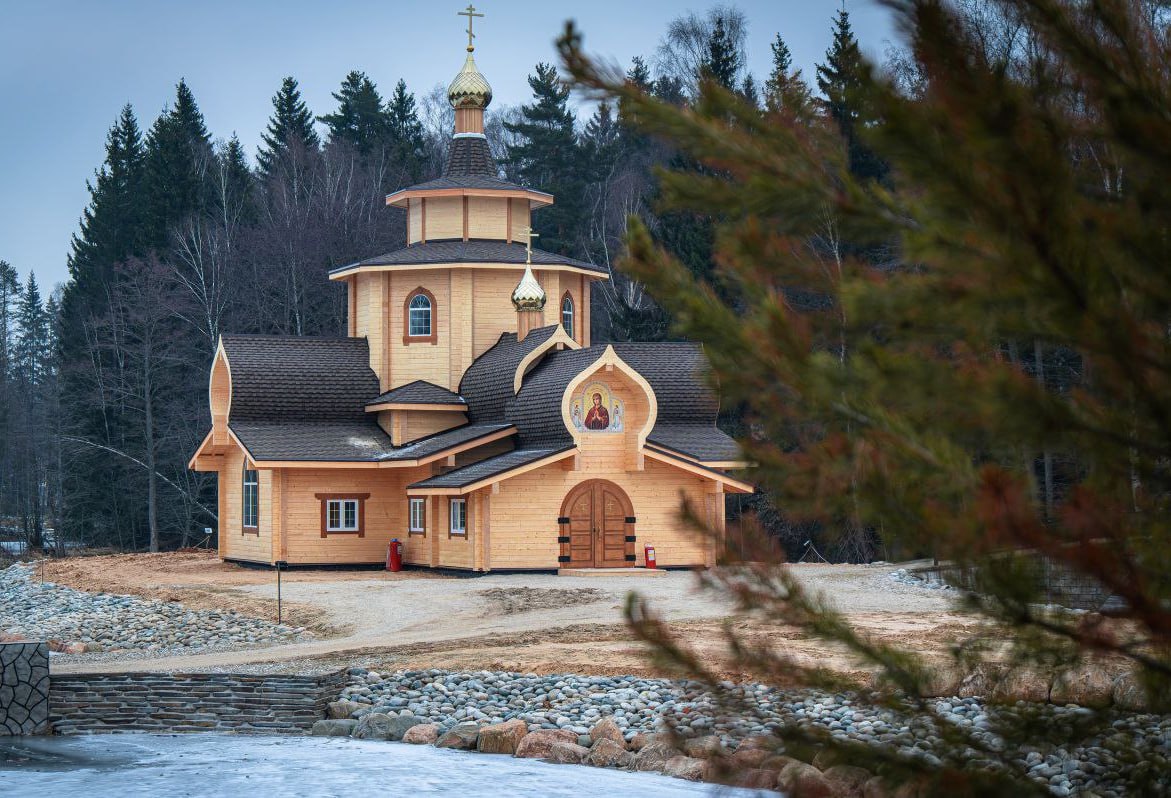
(24, 688)
(1060, 584)
(190, 702)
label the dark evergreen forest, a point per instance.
(103, 385)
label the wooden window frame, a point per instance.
(326, 498)
(411, 530)
(451, 533)
(246, 528)
(568, 297)
(433, 338)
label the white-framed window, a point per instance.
(419, 323)
(459, 517)
(418, 516)
(567, 314)
(250, 511)
(341, 515)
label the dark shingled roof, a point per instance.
(675, 371)
(302, 398)
(470, 155)
(701, 441)
(290, 378)
(474, 251)
(470, 165)
(487, 384)
(485, 469)
(419, 392)
(356, 441)
(441, 441)
(347, 442)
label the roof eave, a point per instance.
(537, 199)
(346, 272)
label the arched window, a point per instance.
(567, 313)
(419, 317)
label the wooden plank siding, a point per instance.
(524, 512)
(235, 544)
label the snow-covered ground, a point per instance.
(161, 766)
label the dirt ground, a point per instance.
(524, 622)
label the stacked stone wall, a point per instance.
(24, 688)
(1061, 585)
(160, 702)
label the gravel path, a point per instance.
(385, 614)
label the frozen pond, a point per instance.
(115, 766)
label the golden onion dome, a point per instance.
(469, 89)
(528, 294)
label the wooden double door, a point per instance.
(595, 517)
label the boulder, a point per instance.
(1021, 684)
(462, 737)
(537, 744)
(334, 727)
(1087, 686)
(655, 756)
(567, 754)
(422, 734)
(375, 726)
(606, 753)
(977, 684)
(685, 767)
(639, 741)
(826, 758)
(607, 729)
(339, 710)
(756, 779)
(502, 738)
(799, 780)
(703, 747)
(1129, 694)
(875, 788)
(400, 724)
(749, 758)
(847, 781)
(941, 681)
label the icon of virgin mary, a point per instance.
(598, 417)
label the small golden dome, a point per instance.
(528, 294)
(469, 89)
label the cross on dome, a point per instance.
(529, 235)
(470, 13)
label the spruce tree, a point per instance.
(235, 201)
(360, 119)
(291, 125)
(785, 89)
(31, 350)
(111, 225)
(9, 292)
(722, 61)
(840, 80)
(923, 420)
(749, 92)
(545, 157)
(178, 152)
(405, 131)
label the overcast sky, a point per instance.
(66, 69)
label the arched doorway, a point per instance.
(597, 526)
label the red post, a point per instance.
(648, 553)
(394, 555)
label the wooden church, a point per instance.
(467, 412)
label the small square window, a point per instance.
(342, 515)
